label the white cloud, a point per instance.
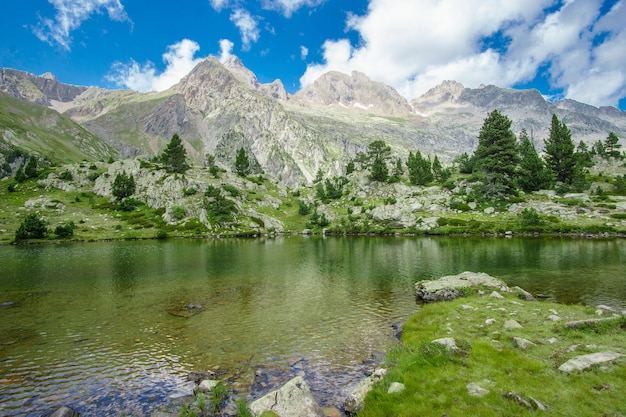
(287, 7)
(226, 48)
(304, 51)
(179, 60)
(218, 4)
(247, 26)
(70, 14)
(415, 44)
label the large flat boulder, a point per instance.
(293, 399)
(453, 286)
(580, 363)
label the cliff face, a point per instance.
(221, 107)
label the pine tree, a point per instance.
(611, 144)
(30, 170)
(378, 154)
(496, 155)
(123, 185)
(174, 156)
(533, 174)
(420, 172)
(242, 163)
(559, 149)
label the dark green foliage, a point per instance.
(212, 191)
(319, 176)
(419, 169)
(350, 168)
(219, 208)
(66, 176)
(465, 163)
(583, 155)
(65, 230)
(215, 171)
(174, 156)
(332, 189)
(398, 171)
(242, 163)
(303, 208)
(598, 149)
(533, 174)
(612, 145)
(529, 219)
(19, 175)
(93, 176)
(189, 191)
(378, 154)
(559, 149)
(11, 187)
(123, 185)
(496, 155)
(318, 220)
(32, 227)
(161, 234)
(620, 184)
(128, 204)
(232, 190)
(30, 170)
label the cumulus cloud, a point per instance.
(179, 61)
(218, 4)
(226, 48)
(70, 14)
(415, 44)
(247, 25)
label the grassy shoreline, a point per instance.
(438, 380)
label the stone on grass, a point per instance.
(293, 399)
(580, 363)
(396, 388)
(523, 294)
(530, 403)
(522, 343)
(553, 317)
(476, 390)
(496, 294)
(356, 399)
(490, 321)
(587, 323)
(512, 324)
(448, 342)
(453, 286)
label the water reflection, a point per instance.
(126, 318)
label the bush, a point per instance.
(161, 234)
(65, 230)
(31, 228)
(178, 212)
(187, 191)
(232, 190)
(530, 219)
(128, 204)
(11, 187)
(66, 176)
(303, 208)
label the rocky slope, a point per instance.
(220, 107)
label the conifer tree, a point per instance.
(378, 154)
(611, 144)
(533, 174)
(496, 155)
(559, 148)
(419, 169)
(242, 163)
(174, 156)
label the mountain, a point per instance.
(221, 107)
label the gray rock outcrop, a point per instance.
(293, 399)
(452, 286)
(356, 399)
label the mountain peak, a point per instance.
(355, 91)
(449, 91)
(243, 74)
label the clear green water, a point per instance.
(106, 327)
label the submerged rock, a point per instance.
(64, 411)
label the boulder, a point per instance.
(356, 399)
(293, 399)
(496, 294)
(578, 324)
(452, 286)
(580, 363)
(448, 342)
(512, 324)
(396, 388)
(206, 386)
(523, 294)
(521, 343)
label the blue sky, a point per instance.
(564, 48)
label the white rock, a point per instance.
(355, 400)
(206, 385)
(490, 321)
(496, 294)
(396, 388)
(512, 324)
(553, 340)
(293, 399)
(476, 390)
(448, 342)
(522, 343)
(580, 363)
(552, 317)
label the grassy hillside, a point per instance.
(36, 129)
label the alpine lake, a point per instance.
(114, 328)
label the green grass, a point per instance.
(436, 379)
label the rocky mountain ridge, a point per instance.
(221, 107)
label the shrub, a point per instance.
(303, 208)
(66, 176)
(11, 187)
(128, 204)
(161, 234)
(530, 219)
(187, 191)
(178, 212)
(232, 190)
(65, 230)
(31, 228)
